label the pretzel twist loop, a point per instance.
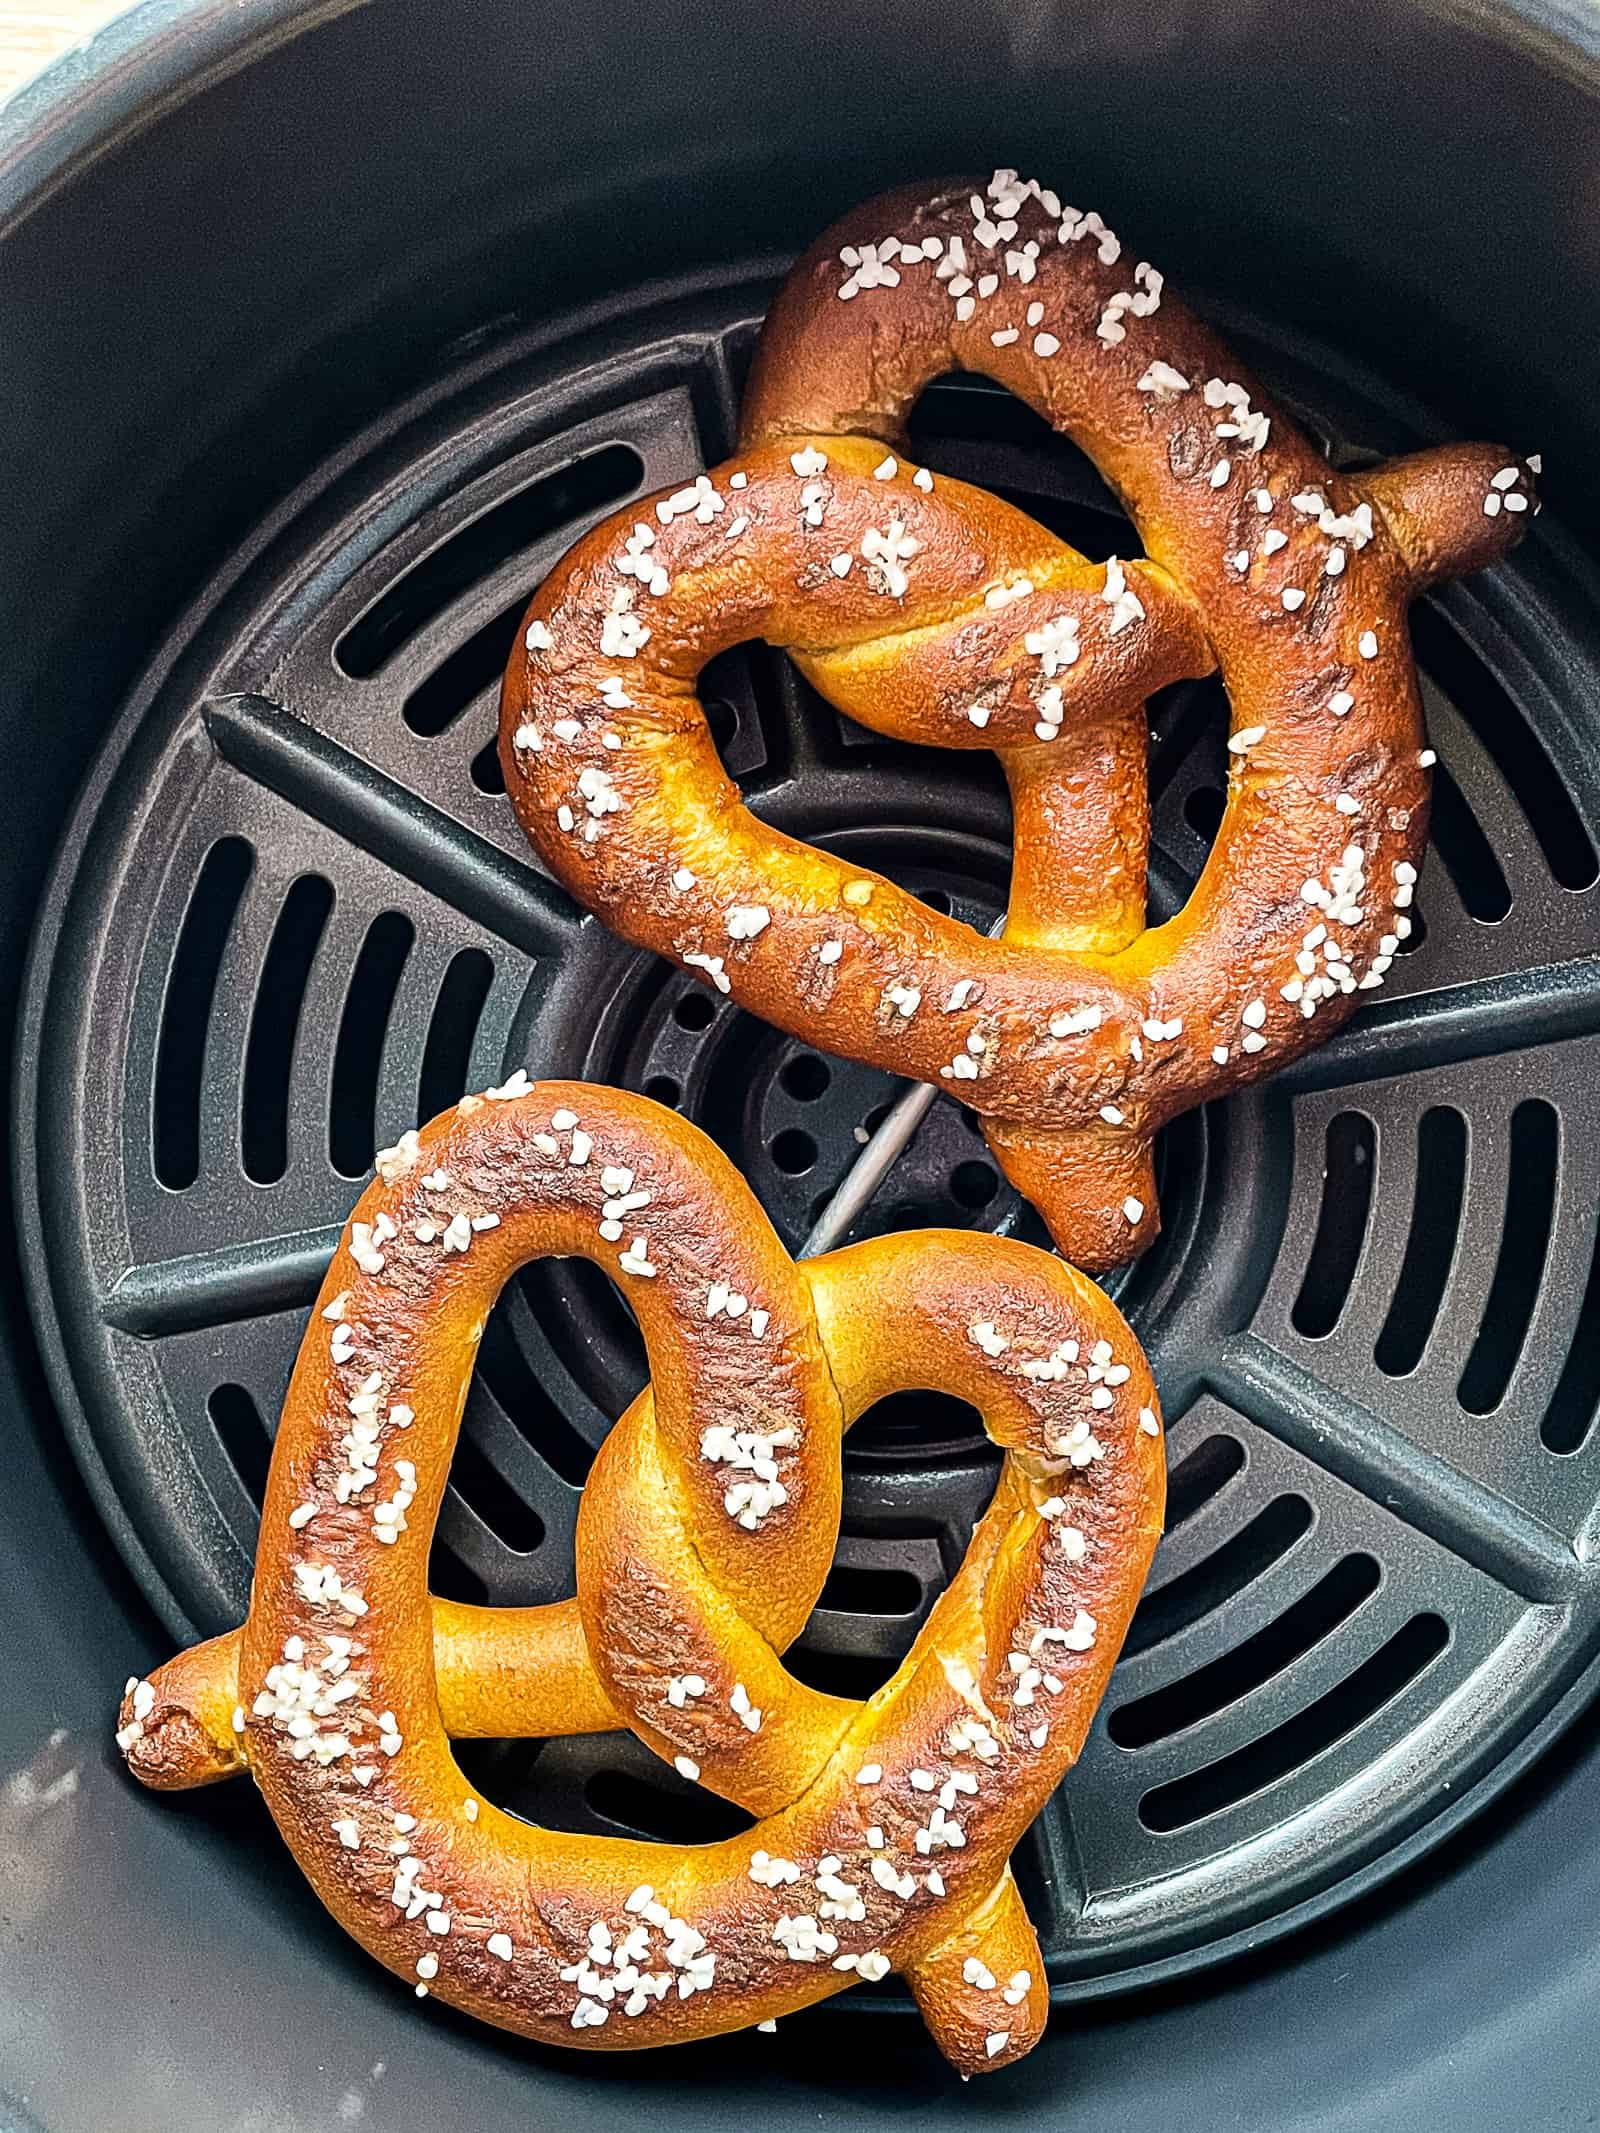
(705, 1533)
(933, 612)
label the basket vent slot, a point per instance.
(1332, 1718)
(191, 989)
(581, 489)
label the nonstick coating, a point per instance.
(231, 240)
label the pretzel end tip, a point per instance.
(989, 2050)
(172, 1751)
(1454, 509)
(983, 1992)
(1095, 1188)
(177, 1729)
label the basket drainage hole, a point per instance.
(191, 988)
(805, 1077)
(854, 1674)
(794, 1151)
(1341, 1226)
(1466, 853)
(1508, 737)
(686, 1816)
(1576, 1400)
(663, 1089)
(452, 1029)
(1524, 1251)
(974, 1185)
(1202, 810)
(1200, 1475)
(449, 1578)
(582, 489)
(1238, 1673)
(358, 1050)
(871, 1589)
(237, 1421)
(1332, 1718)
(486, 772)
(1431, 1246)
(275, 1024)
(1220, 1576)
(693, 1010)
(1418, 934)
(486, 1491)
(915, 1420)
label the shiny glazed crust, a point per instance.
(936, 613)
(705, 1533)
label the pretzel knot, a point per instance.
(933, 612)
(705, 1533)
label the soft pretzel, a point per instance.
(705, 1533)
(934, 612)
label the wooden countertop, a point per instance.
(30, 37)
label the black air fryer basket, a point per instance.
(324, 329)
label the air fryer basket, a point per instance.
(321, 370)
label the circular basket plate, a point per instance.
(294, 914)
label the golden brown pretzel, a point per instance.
(935, 613)
(704, 1536)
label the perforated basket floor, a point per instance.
(294, 914)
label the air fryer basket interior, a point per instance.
(318, 367)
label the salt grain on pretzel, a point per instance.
(705, 1533)
(950, 627)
